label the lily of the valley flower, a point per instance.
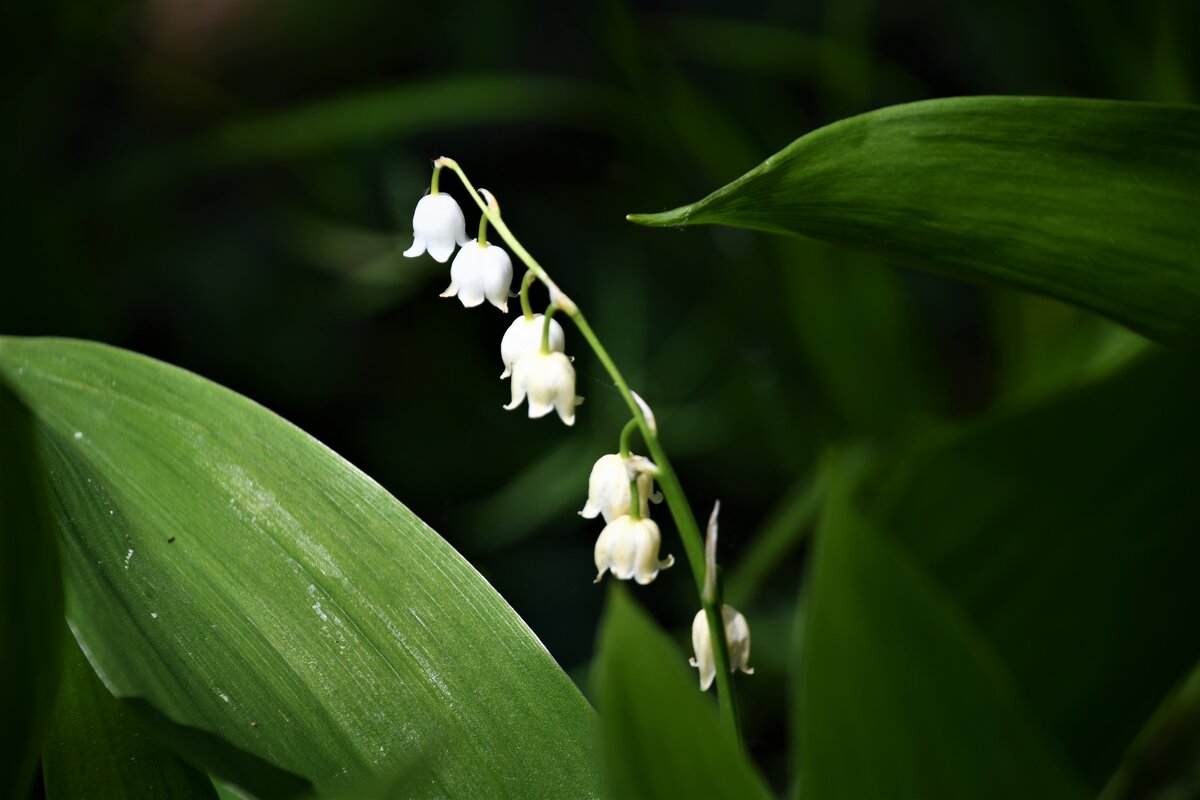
(525, 336)
(737, 636)
(548, 380)
(480, 271)
(608, 486)
(629, 549)
(438, 225)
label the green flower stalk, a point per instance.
(532, 351)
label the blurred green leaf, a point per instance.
(269, 605)
(898, 697)
(30, 594)
(660, 735)
(1067, 535)
(1093, 202)
(547, 489)
(96, 748)
(1165, 762)
(776, 51)
(381, 114)
(1046, 346)
(849, 310)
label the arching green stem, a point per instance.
(668, 482)
(433, 182)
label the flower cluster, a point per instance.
(532, 347)
(621, 485)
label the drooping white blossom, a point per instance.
(480, 272)
(629, 549)
(525, 336)
(609, 490)
(737, 636)
(548, 380)
(438, 225)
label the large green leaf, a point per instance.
(661, 736)
(270, 606)
(849, 309)
(98, 749)
(1021, 578)
(899, 697)
(1094, 202)
(1070, 535)
(30, 594)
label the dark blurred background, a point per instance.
(227, 185)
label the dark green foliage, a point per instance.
(98, 749)
(660, 738)
(30, 597)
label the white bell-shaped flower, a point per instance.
(608, 487)
(525, 336)
(629, 549)
(438, 225)
(737, 636)
(479, 272)
(548, 380)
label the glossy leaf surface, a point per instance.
(1093, 202)
(270, 607)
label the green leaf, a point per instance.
(272, 607)
(30, 594)
(96, 748)
(898, 696)
(1037, 562)
(1093, 202)
(1046, 347)
(661, 737)
(1068, 536)
(381, 114)
(1165, 762)
(849, 309)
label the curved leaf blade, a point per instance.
(1093, 202)
(407, 110)
(31, 594)
(250, 585)
(898, 696)
(96, 748)
(1067, 533)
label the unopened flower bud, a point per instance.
(737, 636)
(438, 225)
(629, 549)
